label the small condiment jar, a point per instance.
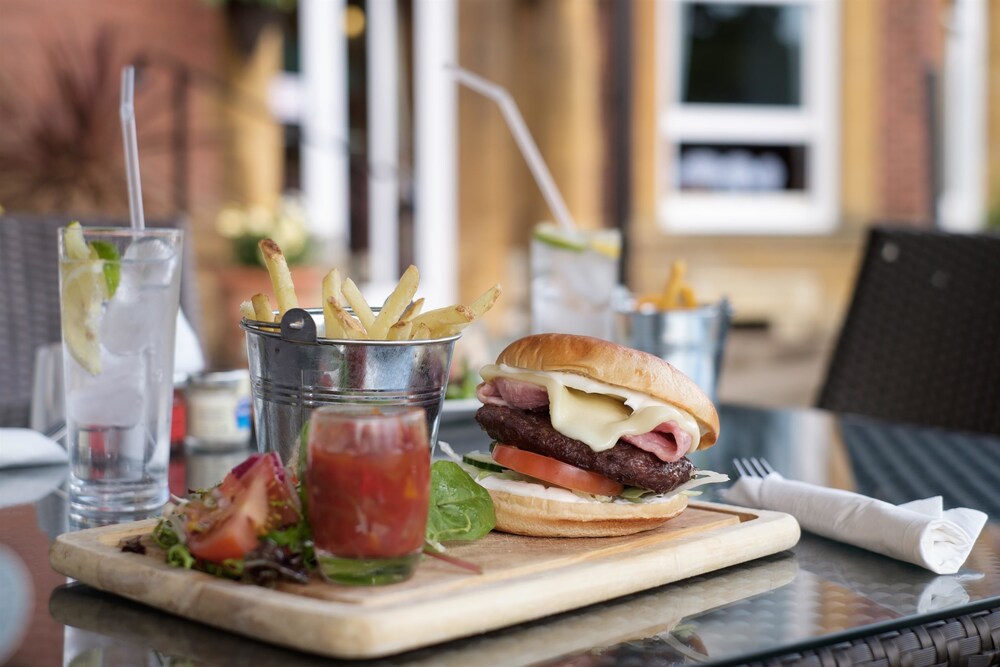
(218, 410)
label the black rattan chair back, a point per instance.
(29, 300)
(921, 339)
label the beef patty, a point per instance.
(624, 463)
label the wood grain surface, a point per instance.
(523, 579)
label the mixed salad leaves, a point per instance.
(253, 526)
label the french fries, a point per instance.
(413, 309)
(676, 292)
(395, 304)
(358, 304)
(262, 308)
(281, 277)
(246, 311)
(348, 316)
(351, 327)
(331, 290)
(484, 301)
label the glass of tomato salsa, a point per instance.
(368, 480)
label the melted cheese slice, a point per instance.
(597, 413)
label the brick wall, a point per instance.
(910, 44)
(179, 33)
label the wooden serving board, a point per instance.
(523, 579)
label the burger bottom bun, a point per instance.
(545, 517)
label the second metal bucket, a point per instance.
(293, 371)
(692, 340)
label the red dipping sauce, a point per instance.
(369, 482)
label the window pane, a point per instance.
(742, 54)
(741, 168)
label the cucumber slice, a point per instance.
(483, 462)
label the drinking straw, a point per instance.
(127, 113)
(522, 136)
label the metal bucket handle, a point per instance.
(297, 325)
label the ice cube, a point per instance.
(123, 329)
(134, 315)
(150, 260)
(114, 398)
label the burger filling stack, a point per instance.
(590, 437)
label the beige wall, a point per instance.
(993, 149)
(860, 58)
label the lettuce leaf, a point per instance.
(460, 508)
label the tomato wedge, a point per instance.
(285, 508)
(283, 500)
(558, 473)
(233, 528)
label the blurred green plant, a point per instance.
(993, 219)
(245, 227)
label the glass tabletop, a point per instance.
(815, 594)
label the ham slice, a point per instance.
(512, 394)
(522, 395)
(488, 394)
(667, 441)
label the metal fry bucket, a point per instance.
(293, 371)
(692, 340)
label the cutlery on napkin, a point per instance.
(919, 532)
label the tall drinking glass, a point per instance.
(119, 292)
(573, 278)
(369, 491)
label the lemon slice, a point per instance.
(85, 289)
(609, 245)
(76, 246)
(557, 237)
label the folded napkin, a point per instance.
(24, 486)
(918, 532)
(188, 356)
(21, 447)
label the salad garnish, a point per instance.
(253, 526)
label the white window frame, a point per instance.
(815, 124)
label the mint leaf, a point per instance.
(112, 264)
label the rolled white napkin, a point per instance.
(21, 447)
(918, 532)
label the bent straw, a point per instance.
(522, 136)
(127, 114)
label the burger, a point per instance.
(589, 437)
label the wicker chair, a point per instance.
(921, 339)
(29, 300)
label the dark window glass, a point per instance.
(742, 54)
(743, 168)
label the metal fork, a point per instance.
(753, 467)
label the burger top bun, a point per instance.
(545, 517)
(619, 366)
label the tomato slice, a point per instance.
(556, 472)
(233, 529)
(285, 508)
